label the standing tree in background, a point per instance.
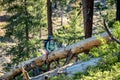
(62, 4)
(40, 15)
(26, 19)
(118, 10)
(49, 16)
(88, 17)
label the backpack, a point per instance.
(45, 43)
(48, 40)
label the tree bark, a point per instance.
(49, 16)
(118, 10)
(26, 22)
(88, 17)
(69, 69)
(26, 27)
(75, 48)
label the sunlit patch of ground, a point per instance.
(2, 30)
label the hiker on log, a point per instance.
(49, 46)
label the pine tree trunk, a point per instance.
(49, 16)
(88, 16)
(26, 28)
(75, 48)
(26, 22)
(118, 10)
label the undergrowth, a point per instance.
(108, 68)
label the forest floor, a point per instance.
(7, 43)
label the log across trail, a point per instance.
(75, 48)
(69, 69)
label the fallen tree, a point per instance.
(69, 69)
(75, 48)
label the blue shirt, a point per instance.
(51, 46)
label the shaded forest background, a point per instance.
(24, 25)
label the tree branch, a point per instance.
(26, 75)
(110, 33)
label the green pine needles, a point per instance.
(27, 17)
